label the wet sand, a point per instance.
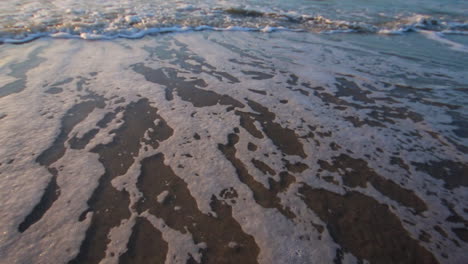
(191, 149)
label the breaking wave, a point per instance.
(101, 25)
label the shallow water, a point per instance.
(209, 147)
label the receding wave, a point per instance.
(93, 25)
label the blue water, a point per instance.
(23, 20)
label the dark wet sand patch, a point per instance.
(462, 233)
(387, 114)
(380, 113)
(349, 88)
(186, 89)
(19, 71)
(454, 216)
(425, 237)
(256, 75)
(216, 231)
(330, 179)
(263, 196)
(62, 82)
(108, 117)
(399, 162)
(184, 54)
(248, 123)
(180, 57)
(50, 195)
(81, 83)
(325, 134)
(110, 206)
(357, 122)
(292, 79)
(409, 92)
(364, 227)
(54, 90)
(252, 147)
(258, 91)
(263, 167)
(302, 91)
(334, 146)
(72, 117)
(438, 104)
(440, 231)
(80, 143)
(356, 172)
(283, 184)
(226, 75)
(453, 173)
(256, 64)
(284, 138)
(120, 100)
(296, 167)
(13, 87)
(229, 193)
(146, 244)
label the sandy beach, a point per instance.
(209, 147)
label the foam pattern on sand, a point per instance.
(200, 148)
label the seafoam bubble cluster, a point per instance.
(208, 148)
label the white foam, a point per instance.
(162, 196)
(136, 34)
(439, 38)
(315, 61)
(27, 21)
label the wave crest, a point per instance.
(92, 25)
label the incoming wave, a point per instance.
(94, 25)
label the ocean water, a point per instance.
(233, 131)
(23, 20)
